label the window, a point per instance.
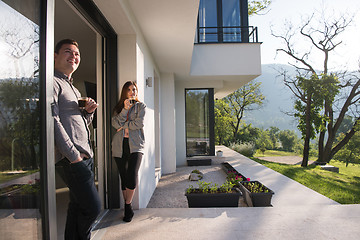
(231, 19)
(223, 21)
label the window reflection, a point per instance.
(231, 20)
(19, 119)
(208, 21)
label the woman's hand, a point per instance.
(127, 104)
(119, 129)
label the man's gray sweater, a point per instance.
(72, 134)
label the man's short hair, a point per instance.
(65, 41)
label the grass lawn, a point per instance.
(342, 187)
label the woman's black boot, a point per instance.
(129, 213)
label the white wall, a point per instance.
(226, 59)
(147, 183)
(180, 123)
(168, 148)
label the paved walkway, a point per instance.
(293, 160)
(297, 213)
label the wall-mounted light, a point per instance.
(149, 82)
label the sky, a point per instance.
(14, 22)
(347, 55)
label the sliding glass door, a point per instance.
(199, 117)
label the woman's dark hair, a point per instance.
(124, 94)
(65, 41)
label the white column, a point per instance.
(168, 136)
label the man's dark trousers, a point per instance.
(84, 205)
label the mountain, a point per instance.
(278, 100)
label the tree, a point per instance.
(274, 132)
(288, 140)
(256, 7)
(233, 106)
(247, 133)
(263, 142)
(307, 107)
(324, 38)
(350, 152)
(222, 124)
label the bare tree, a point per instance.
(323, 86)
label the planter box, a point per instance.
(204, 200)
(228, 168)
(198, 162)
(259, 199)
(16, 199)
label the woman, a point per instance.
(128, 142)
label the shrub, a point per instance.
(246, 149)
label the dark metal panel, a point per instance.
(244, 20)
(211, 121)
(47, 161)
(112, 97)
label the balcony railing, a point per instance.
(232, 34)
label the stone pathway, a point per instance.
(293, 160)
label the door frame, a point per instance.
(93, 15)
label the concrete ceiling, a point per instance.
(169, 28)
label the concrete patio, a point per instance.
(297, 213)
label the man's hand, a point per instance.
(79, 159)
(91, 105)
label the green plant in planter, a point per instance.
(256, 187)
(227, 187)
(256, 194)
(214, 188)
(208, 187)
(234, 178)
(190, 189)
(204, 186)
(31, 188)
(212, 195)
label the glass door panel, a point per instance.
(197, 122)
(19, 120)
(231, 21)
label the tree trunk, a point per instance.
(344, 141)
(321, 147)
(308, 132)
(305, 160)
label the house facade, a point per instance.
(183, 54)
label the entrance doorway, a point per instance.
(199, 120)
(88, 79)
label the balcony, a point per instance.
(227, 57)
(232, 34)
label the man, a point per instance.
(73, 153)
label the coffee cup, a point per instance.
(82, 102)
(132, 101)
